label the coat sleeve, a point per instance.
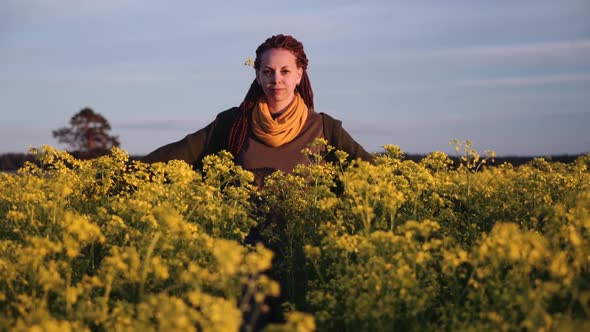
(192, 148)
(341, 140)
(189, 149)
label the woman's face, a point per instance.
(279, 76)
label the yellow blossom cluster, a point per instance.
(115, 244)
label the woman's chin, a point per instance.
(278, 97)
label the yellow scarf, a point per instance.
(283, 129)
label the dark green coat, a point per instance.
(215, 137)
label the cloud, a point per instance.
(335, 21)
(528, 80)
(58, 9)
(148, 125)
(103, 74)
(567, 52)
(516, 50)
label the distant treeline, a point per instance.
(10, 162)
(14, 161)
(514, 160)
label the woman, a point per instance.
(274, 122)
(269, 129)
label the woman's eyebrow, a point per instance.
(283, 67)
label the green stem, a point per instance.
(107, 294)
(146, 264)
(68, 285)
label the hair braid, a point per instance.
(241, 125)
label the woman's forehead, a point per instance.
(278, 57)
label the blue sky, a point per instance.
(512, 76)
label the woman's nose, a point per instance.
(276, 78)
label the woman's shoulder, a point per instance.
(225, 118)
(228, 114)
(329, 121)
